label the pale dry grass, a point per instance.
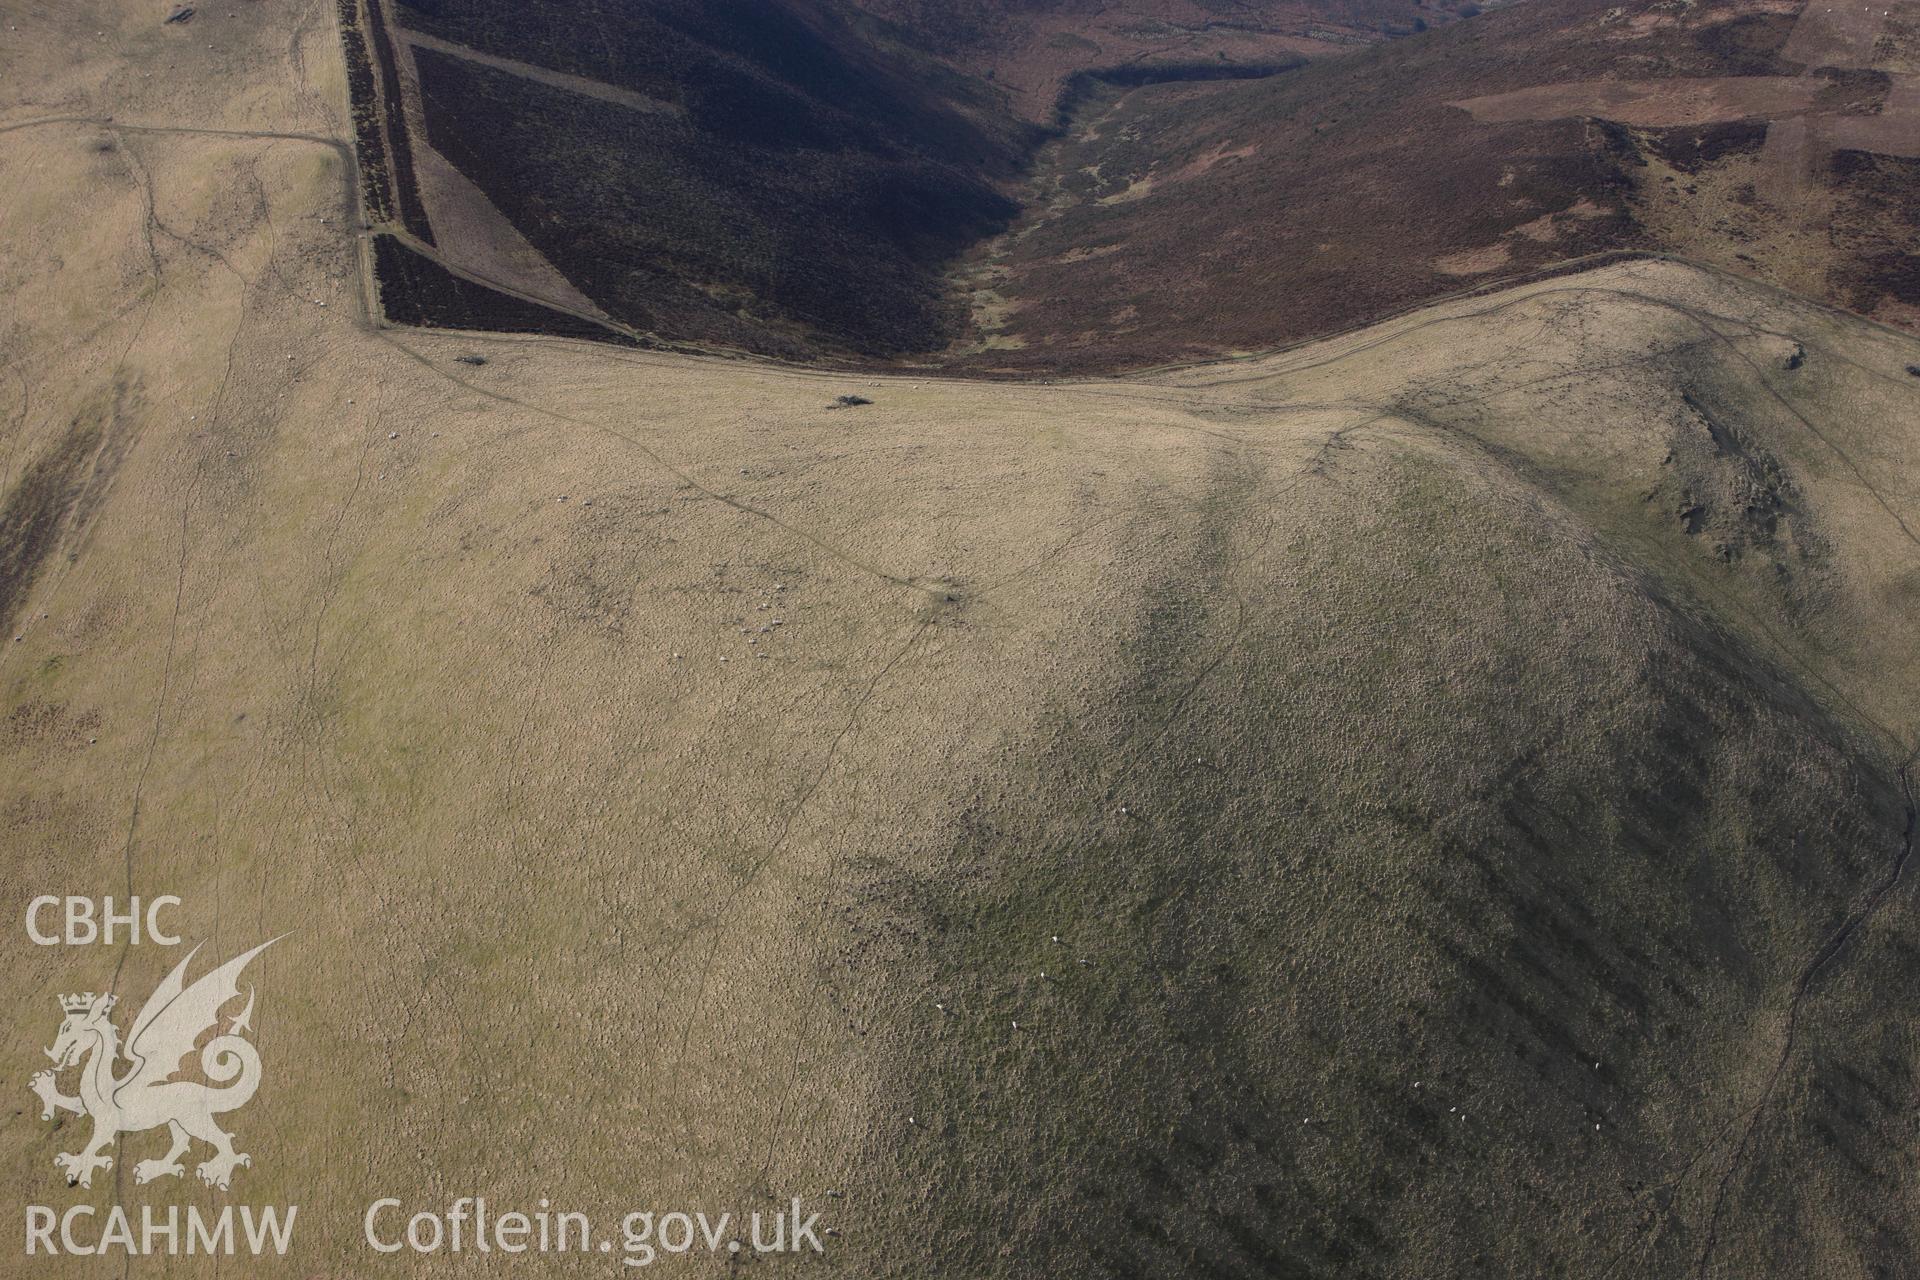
(606, 888)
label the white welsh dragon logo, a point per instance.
(146, 1096)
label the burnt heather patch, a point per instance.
(416, 290)
(800, 193)
(865, 180)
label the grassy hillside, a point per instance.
(1516, 700)
(1470, 879)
